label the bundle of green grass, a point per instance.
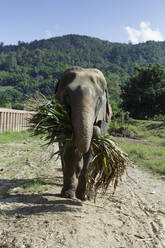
(52, 121)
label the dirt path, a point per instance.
(39, 218)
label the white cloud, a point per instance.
(48, 34)
(144, 33)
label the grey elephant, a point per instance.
(84, 92)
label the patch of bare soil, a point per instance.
(39, 218)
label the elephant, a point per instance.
(84, 92)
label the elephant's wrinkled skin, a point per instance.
(84, 92)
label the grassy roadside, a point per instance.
(24, 164)
(148, 151)
(146, 156)
(15, 137)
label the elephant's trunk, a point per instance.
(82, 121)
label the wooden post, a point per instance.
(7, 121)
(4, 122)
(21, 121)
(17, 123)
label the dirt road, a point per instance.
(33, 215)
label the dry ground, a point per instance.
(33, 215)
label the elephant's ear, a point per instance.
(104, 112)
(108, 108)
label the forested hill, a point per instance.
(37, 65)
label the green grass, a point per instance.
(149, 128)
(2, 160)
(148, 154)
(7, 193)
(36, 185)
(4, 213)
(149, 158)
(157, 140)
(15, 137)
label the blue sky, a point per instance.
(113, 20)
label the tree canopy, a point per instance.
(27, 67)
(144, 94)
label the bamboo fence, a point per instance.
(14, 120)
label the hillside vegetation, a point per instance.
(27, 67)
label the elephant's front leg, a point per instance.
(71, 160)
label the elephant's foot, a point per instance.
(69, 193)
(80, 192)
(80, 195)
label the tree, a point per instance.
(9, 97)
(144, 94)
(37, 65)
(4, 99)
(114, 88)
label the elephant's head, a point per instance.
(84, 92)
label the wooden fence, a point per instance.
(14, 120)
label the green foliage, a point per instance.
(116, 110)
(114, 89)
(51, 120)
(119, 117)
(144, 95)
(159, 117)
(33, 66)
(148, 151)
